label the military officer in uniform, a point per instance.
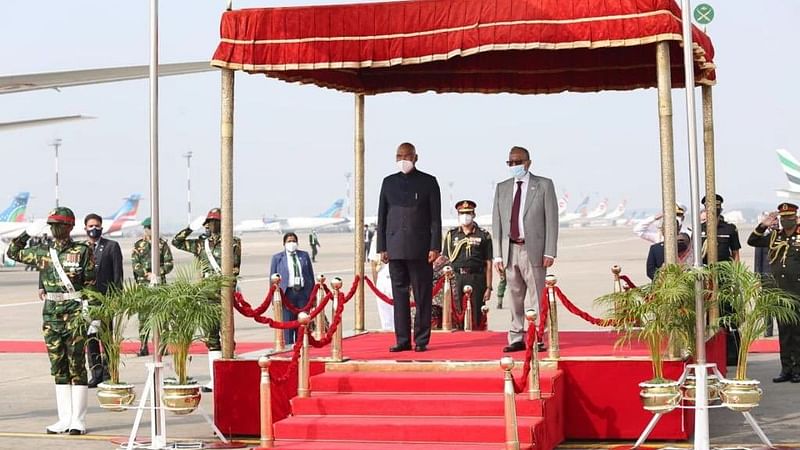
(66, 268)
(207, 250)
(784, 257)
(143, 271)
(469, 248)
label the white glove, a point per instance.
(197, 223)
(36, 228)
(94, 327)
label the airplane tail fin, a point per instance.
(125, 213)
(791, 167)
(15, 212)
(335, 210)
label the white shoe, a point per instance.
(212, 356)
(64, 405)
(80, 394)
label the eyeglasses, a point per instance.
(516, 162)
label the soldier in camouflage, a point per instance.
(143, 272)
(207, 250)
(66, 268)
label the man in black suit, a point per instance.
(108, 267)
(410, 239)
(655, 257)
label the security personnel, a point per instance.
(727, 236)
(66, 268)
(143, 272)
(784, 257)
(207, 250)
(469, 248)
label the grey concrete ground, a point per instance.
(585, 255)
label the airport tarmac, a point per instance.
(585, 256)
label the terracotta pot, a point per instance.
(712, 389)
(115, 397)
(741, 395)
(180, 399)
(660, 397)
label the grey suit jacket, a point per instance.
(539, 218)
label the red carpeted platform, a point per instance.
(593, 394)
(128, 347)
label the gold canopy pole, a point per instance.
(711, 185)
(226, 204)
(667, 153)
(359, 226)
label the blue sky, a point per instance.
(294, 143)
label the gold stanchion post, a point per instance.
(468, 308)
(447, 305)
(534, 391)
(552, 350)
(509, 403)
(485, 310)
(277, 312)
(267, 433)
(319, 321)
(304, 368)
(616, 270)
(336, 348)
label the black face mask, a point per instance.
(682, 246)
(94, 233)
(60, 230)
(787, 224)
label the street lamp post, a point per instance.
(188, 156)
(56, 144)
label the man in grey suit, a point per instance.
(525, 230)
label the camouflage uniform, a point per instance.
(196, 247)
(142, 265)
(65, 342)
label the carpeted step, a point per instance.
(438, 382)
(411, 404)
(407, 429)
(359, 445)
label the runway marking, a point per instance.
(595, 244)
(39, 302)
(323, 273)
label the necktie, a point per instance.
(297, 278)
(514, 234)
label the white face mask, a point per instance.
(465, 219)
(291, 247)
(518, 171)
(405, 166)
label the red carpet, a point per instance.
(128, 347)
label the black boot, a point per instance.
(95, 360)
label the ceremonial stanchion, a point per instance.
(277, 312)
(319, 321)
(509, 403)
(336, 347)
(534, 391)
(468, 308)
(616, 270)
(552, 350)
(447, 302)
(305, 366)
(267, 433)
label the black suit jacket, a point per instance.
(409, 216)
(108, 264)
(655, 259)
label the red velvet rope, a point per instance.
(579, 312)
(388, 300)
(628, 283)
(459, 318)
(544, 310)
(264, 305)
(295, 310)
(335, 322)
(353, 289)
(530, 345)
(291, 369)
(437, 287)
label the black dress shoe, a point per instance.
(93, 383)
(144, 351)
(795, 378)
(400, 348)
(515, 347)
(421, 348)
(782, 378)
(206, 389)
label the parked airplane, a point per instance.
(791, 167)
(598, 211)
(12, 219)
(119, 220)
(562, 204)
(328, 218)
(579, 212)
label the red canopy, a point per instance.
(489, 46)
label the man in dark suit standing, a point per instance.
(108, 267)
(297, 279)
(410, 239)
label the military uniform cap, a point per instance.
(213, 214)
(718, 198)
(146, 223)
(787, 209)
(679, 210)
(61, 215)
(466, 206)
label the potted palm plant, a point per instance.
(656, 313)
(115, 307)
(751, 304)
(181, 311)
